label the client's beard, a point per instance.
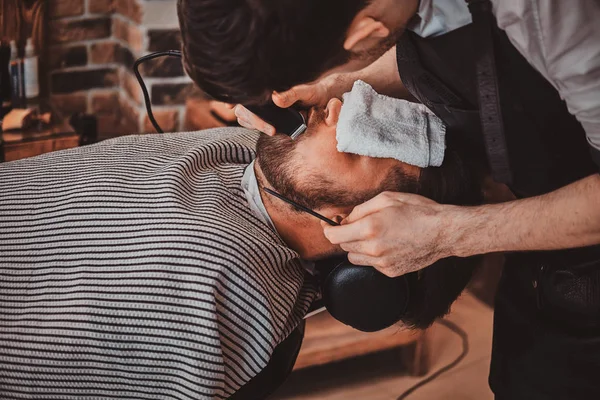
(458, 181)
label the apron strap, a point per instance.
(488, 91)
(416, 77)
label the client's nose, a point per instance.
(334, 107)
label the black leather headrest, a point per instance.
(364, 298)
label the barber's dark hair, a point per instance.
(239, 51)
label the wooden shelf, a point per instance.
(327, 340)
(18, 145)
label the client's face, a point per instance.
(311, 170)
(317, 150)
(313, 173)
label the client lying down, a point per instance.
(154, 267)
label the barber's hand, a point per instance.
(314, 94)
(396, 233)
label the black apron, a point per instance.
(547, 317)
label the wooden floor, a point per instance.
(382, 377)
(327, 341)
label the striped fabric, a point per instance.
(134, 269)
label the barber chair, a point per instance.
(357, 296)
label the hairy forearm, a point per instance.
(566, 218)
(383, 76)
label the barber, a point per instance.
(498, 83)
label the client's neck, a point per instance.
(300, 232)
(292, 231)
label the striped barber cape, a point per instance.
(135, 269)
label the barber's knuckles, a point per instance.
(286, 99)
(370, 227)
(366, 229)
(380, 202)
(313, 94)
(390, 263)
(371, 248)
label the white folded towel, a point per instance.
(374, 125)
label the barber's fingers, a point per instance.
(383, 265)
(286, 99)
(362, 259)
(308, 95)
(385, 200)
(377, 203)
(357, 231)
(249, 120)
(369, 247)
(245, 124)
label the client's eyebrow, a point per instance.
(301, 207)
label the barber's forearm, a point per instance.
(383, 76)
(566, 218)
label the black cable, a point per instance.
(301, 207)
(170, 53)
(465, 350)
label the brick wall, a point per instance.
(93, 44)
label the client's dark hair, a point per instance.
(241, 50)
(435, 288)
(457, 181)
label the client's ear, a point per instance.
(364, 33)
(335, 214)
(339, 218)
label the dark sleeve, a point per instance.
(595, 156)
